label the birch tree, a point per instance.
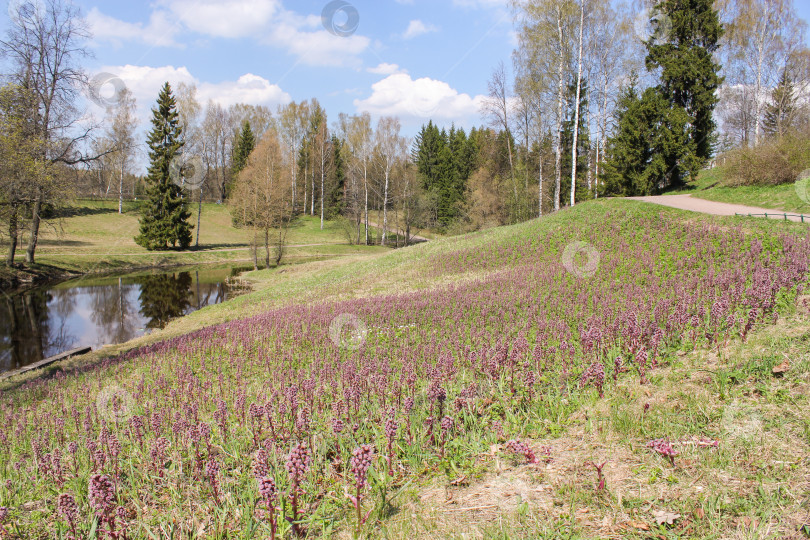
(359, 140)
(261, 198)
(577, 105)
(292, 128)
(188, 109)
(391, 149)
(544, 45)
(121, 133)
(613, 59)
(217, 144)
(762, 35)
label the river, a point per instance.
(95, 311)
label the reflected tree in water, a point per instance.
(28, 333)
(43, 322)
(164, 297)
(113, 312)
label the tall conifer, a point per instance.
(164, 217)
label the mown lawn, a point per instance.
(92, 237)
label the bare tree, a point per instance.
(43, 46)
(260, 197)
(359, 140)
(496, 107)
(188, 109)
(218, 140)
(292, 125)
(612, 57)
(390, 149)
(762, 36)
(577, 106)
(544, 46)
(121, 133)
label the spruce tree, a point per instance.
(337, 186)
(689, 80)
(647, 130)
(164, 216)
(245, 143)
(780, 113)
(444, 160)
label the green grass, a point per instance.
(712, 185)
(92, 237)
(754, 475)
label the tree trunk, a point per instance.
(540, 183)
(34, 235)
(322, 184)
(385, 209)
(254, 248)
(596, 169)
(365, 186)
(12, 234)
(306, 172)
(199, 215)
(757, 100)
(558, 156)
(312, 203)
(267, 248)
(576, 107)
(121, 191)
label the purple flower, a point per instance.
(102, 497)
(522, 449)
(298, 463)
(664, 448)
(360, 463)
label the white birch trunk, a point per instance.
(558, 149)
(576, 107)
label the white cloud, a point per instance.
(249, 88)
(266, 21)
(225, 18)
(424, 98)
(386, 69)
(160, 31)
(145, 83)
(316, 48)
(417, 28)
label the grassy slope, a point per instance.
(711, 185)
(748, 487)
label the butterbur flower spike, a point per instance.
(522, 449)
(359, 464)
(664, 448)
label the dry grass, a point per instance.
(755, 484)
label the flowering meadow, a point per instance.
(311, 418)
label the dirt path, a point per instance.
(687, 202)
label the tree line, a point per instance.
(599, 100)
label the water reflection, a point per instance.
(43, 322)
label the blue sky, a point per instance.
(410, 58)
(416, 59)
